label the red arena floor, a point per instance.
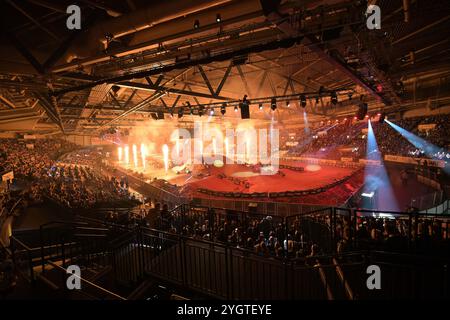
(210, 182)
(235, 179)
(303, 182)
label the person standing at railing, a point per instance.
(153, 216)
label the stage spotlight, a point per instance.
(303, 101)
(350, 96)
(115, 89)
(223, 109)
(382, 117)
(191, 109)
(334, 98)
(235, 109)
(180, 112)
(273, 104)
(321, 90)
(196, 24)
(376, 178)
(425, 147)
(200, 110)
(218, 18)
(211, 112)
(260, 106)
(288, 104)
(245, 108)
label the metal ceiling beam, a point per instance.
(49, 5)
(313, 44)
(244, 80)
(146, 102)
(120, 52)
(129, 99)
(224, 79)
(206, 80)
(147, 87)
(155, 96)
(49, 109)
(37, 23)
(428, 26)
(25, 52)
(272, 45)
(64, 46)
(109, 10)
(8, 103)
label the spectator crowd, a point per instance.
(346, 138)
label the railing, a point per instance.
(428, 201)
(88, 289)
(443, 208)
(153, 192)
(226, 272)
(323, 227)
(22, 256)
(62, 243)
(263, 207)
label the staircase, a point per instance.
(119, 262)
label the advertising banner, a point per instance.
(415, 161)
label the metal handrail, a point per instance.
(87, 281)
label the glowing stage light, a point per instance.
(247, 149)
(127, 155)
(165, 150)
(143, 154)
(135, 158)
(305, 120)
(119, 152)
(273, 104)
(376, 180)
(226, 147)
(201, 148)
(334, 98)
(303, 101)
(196, 24)
(427, 148)
(368, 195)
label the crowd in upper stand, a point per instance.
(347, 139)
(71, 184)
(31, 159)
